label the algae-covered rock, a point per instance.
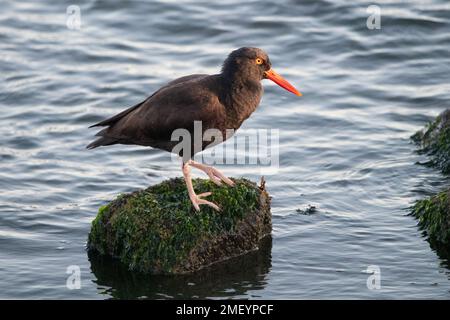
(158, 231)
(434, 140)
(243, 273)
(433, 214)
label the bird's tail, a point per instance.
(103, 141)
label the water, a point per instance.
(344, 145)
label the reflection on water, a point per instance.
(233, 278)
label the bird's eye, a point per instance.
(258, 61)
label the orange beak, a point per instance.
(279, 80)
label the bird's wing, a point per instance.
(174, 106)
(117, 117)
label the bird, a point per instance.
(220, 101)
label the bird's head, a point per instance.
(254, 64)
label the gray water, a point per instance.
(344, 145)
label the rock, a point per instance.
(243, 274)
(158, 231)
(309, 210)
(433, 214)
(434, 140)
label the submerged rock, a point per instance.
(309, 210)
(243, 274)
(433, 214)
(157, 230)
(434, 140)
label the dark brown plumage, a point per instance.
(221, 101)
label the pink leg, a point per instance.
(215, 175)
(196, 199)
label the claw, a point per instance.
(213, 178)
(215, 175)
(220, 176)
(197, 201)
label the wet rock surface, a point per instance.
(434, 140)
(433, 213)
(157, 231)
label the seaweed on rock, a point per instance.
(433, 214)
(434, 140)
(157, 230)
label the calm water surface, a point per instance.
(344, 146)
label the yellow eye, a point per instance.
(259, 61)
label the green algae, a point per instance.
(433, 213)
(157, 230)
(433, 216)
(434, 140)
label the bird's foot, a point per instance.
(197, 200)
(215, 175)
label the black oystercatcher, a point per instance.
(221, 101)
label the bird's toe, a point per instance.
(198, 200)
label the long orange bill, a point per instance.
(279, 80)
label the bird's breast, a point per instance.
(242, 104)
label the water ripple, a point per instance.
(344, 145)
